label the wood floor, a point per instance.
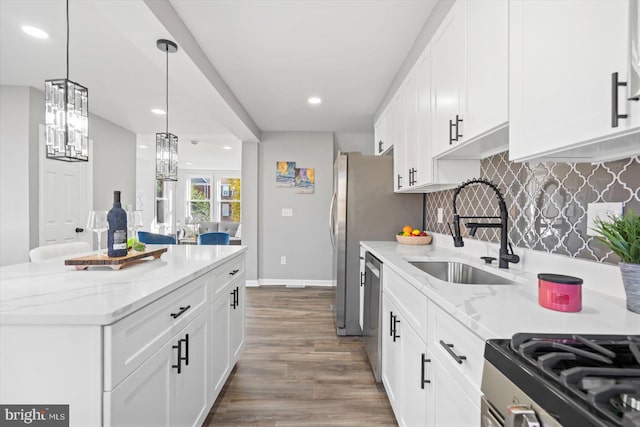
(295, 371)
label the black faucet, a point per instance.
(506, 255)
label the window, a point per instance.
(199, 198)
(164, 193)
(228, 203)
(213, 197)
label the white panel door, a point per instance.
(449, 74)
(236, 322)
(562, 54)
(189, 400)
(424, 169)
(487, 65)
(414, 392)
(401, 178)
(219, 355)
(411, 122)
(391, 354)
(65, 199)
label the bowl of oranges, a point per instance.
(413, 236)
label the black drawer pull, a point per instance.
(449, 347)
(186, 349)
(399, 185)
(391, 323)
(423, 381)
(237, 297)
(233, 299)
(181, 312)
(233, 273)
(380, 146)
(451, 125)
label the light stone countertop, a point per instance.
(52, 293)
(499, 311)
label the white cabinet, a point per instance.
(562, 56)
(449, 79)
(397, 139)
(414, 366)
(236, 322)
(391, 373)
(381, 141)
(220, 361)
(361, 297)
(448, 404)
(173, 381)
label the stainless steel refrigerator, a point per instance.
(363, 207)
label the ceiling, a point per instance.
(272, 55)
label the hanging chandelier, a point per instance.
(66, 117)
(167, 143)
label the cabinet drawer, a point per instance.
(132, 340)
(411, 302)
(224, 275)
(445, 332)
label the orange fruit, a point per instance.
(407, 229)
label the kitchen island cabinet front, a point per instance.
(129, 347)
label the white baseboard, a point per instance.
(252, 283)
(296, 283)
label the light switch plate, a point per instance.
(287, 212)
(440, 215)
(602, 211)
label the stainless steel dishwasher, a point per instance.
(372, 313)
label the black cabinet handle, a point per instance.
(233, 299)
(458, 121)
(363, 278)
(395, 328)
(179, 348)
(399, 178)
(181, 312)
(449, 347)
(423, 381)
(79, 229)
(186, 349)
(237, 297)
(233, 273)
(380, 146)
(615, 85)
(391, 323)
(451, 133)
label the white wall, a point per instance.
(15, 180)
(304, 237)
(114, 165)
(250, 211)
(353, 141)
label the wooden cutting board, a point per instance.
(116, 263)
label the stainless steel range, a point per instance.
(562, 380)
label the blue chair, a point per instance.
(155, 238)
(213, 238)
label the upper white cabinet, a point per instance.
(397, 135)
(563, 56)
(470, 80)
(449, 75)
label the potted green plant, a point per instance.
(621, 234)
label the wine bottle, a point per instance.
(117, 233)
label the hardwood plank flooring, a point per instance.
(295, 371)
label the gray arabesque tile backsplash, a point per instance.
(547, 202)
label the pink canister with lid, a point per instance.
(559, 292)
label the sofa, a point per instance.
(233, 228)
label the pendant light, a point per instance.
(167, 143)
(66, 117)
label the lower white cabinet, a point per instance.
(448, 404)
(236, 322)
(220, 366)
(173, 382)
(431, 363)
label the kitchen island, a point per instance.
(433, 332)
(161, 333)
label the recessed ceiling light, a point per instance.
(226, 147)
(188, 163)
(35, 32)
(142, 146)
(314, 100)
(158, 111)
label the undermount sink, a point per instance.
(457, 272)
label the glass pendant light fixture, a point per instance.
(66, 117)
(167, 143)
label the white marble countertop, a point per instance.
(52, 293)
(499, 311)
